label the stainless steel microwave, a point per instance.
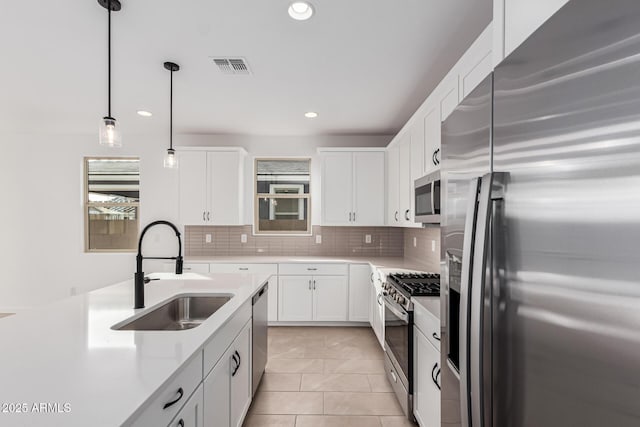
(427, 199)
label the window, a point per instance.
(282, 204)
(112, 203)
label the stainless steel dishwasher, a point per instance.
(260, 328)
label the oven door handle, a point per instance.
(393, 307)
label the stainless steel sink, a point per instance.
(180, 313)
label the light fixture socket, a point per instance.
(115, 5)
(109, 132)
(171, 66)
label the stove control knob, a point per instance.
(400, 299)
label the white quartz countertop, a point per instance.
(379, 262)
(66, 353)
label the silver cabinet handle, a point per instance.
(371, 278)
(349, 216)
(208, 216)
(309, 284)
(204, 216)
(354, 217)
(406, 215)
(312, 269)
(314, 285)
(396, 216)
(243, 268)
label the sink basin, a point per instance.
(180, 313)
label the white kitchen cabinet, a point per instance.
(349, 182)
(360, 278)
(426, 371)
(211, 187)
(515, 20)
(432, 127)
(405, 189)
(191, 414)
(227, 388)
(393, 186)
(476, 63)
(377, 308)
(295, 299)
(330, 298)
(313, 298)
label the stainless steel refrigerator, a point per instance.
(541, 230)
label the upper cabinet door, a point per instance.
(225, 170)
(193, 187)
(477, 62)
(337, 188)
(523, 17)
(406, 185)
(368, 204)
(393, 186)
(432, 126)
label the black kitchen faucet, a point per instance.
(139, 279)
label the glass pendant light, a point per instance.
(170, 159)
(109, 128)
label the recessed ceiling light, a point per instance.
(311, 114)
(144, 113)
(300, 10)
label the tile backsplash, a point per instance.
(420, 249)
(335, 241)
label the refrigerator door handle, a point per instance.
(465, 282)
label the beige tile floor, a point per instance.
(325, 377)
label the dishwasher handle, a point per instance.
(261, 292)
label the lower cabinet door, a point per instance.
(330, 298)
(427, 376)
(191, 414)
(217, 386)
(241, 376)
(295, 298)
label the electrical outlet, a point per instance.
(415, 242)
(243, 238)
(207, 238)
(367, 238)
(318, 239)
(433, 246)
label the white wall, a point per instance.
(42, 245)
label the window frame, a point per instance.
(86, 204)
(257, 196)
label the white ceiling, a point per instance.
(363, 65)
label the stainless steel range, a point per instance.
(398, 329)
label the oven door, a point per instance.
(398, 339)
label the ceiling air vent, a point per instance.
(232, 65)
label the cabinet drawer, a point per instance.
(187, 267)
(217, 345)
(428, 324)
(314, 269)
(271, 269)
(176, 390)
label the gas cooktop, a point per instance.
(416, 284)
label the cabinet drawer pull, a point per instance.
(396, 216)
(208, 216)
(312, 269)
(435, 336)
(204, 216)
(309, 284)
(173, 402)
(314, 285)
(406, 215)
(243, 268)
(350, 215)
(181, 422)
(354, 217)
(434, 375)
(236, 366)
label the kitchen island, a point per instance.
(63, 365)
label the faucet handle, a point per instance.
(147, 279)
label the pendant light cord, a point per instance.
(109, 54)
(171, 111)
